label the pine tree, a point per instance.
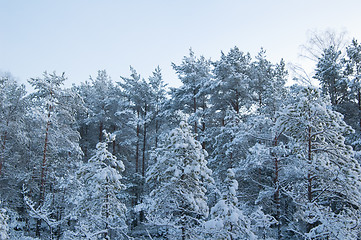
(329, 177)
(100, 98)
(329, 72)
(139, 93)
(54, 139)
(261, 78)
(263, 162)
(268, 84)
(130, 90)
(353, 70)
(48, 90)
(180, 176)
(158, 93)
(229, 97)
(352, 109)
(230, 89)
(100, 211)
(263, 175)
(191, 97)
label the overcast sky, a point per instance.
(80, 37)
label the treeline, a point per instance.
(231, 154)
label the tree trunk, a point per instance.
(137, 189)
(194, 111)
(38, 225)
(260, 99)
(183, 233)
(43, 171)
(59, 215)
(3, 149)
(203, 130)
(237, 103)
(114, 144)
(156, 133)
(84, 136)
(100, 131)
(359, 105)
(144, 139)
(309, 176)
(137, 147)
(231, 160)
(44, 163)
(203, 122)
(106, 211)
(277, 190)
(141, 213)
(182, 207)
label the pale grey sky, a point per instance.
(80, 37)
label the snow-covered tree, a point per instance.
(191, 97)
(229, 144)
(263, 175)
(12, 108)
(330, 224)
(268, 84)
(4, 228)
(230, 90)
(13, 139)
(100, 98)
(227, 221)
(100, 210)
(286, 147)
(138, 93)
(261, 78)
(229, 100)
(353, 70)
(53, 110)
(329, 176)
(158, 93)
(329, 73)
(352, 108)
(180, 176)
(54, 142)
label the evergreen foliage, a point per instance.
(283, 160)
(181, 175)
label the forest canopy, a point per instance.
(233, 153)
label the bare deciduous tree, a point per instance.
(311, 51)
(318, 41)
